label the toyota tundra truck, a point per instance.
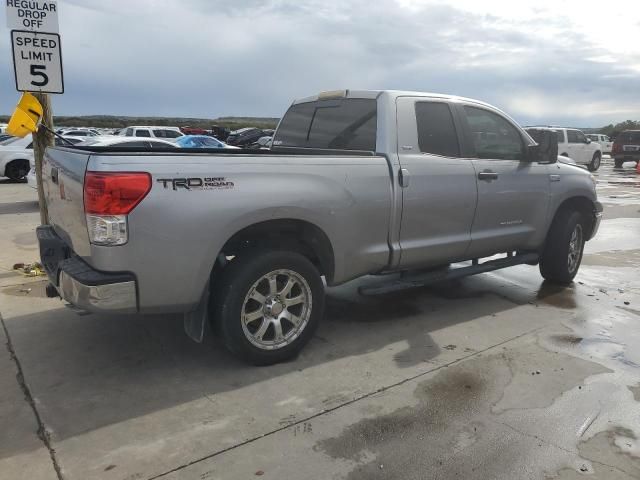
(357, 183)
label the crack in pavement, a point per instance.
(345, 404)
(42, 433)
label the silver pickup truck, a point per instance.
(356, 183)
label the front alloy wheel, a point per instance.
(575, 249)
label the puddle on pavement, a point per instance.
(613, 258)
(608, 455)
(454, 413)
(32, 289)
(557, 295)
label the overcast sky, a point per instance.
(551, 61)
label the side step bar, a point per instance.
(427, 278)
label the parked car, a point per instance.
(111, 141)
(201, 141)
(604, 141)
(244, 136)
(78, 132)
(574, 144)
(5, 136)
(15, 153)
(221, 133)
(59, 142)
(167, 133)
(3, 127)
(626, 147)
(356, 183)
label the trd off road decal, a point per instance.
(197, 183)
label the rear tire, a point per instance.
(563, 249)
(267, 305)
(618, 163)
(595, 162)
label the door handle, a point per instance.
(403, 177)
(488, 175)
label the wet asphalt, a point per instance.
(498, 376)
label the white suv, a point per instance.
(166, 133)
(603, 140)
(574, 144)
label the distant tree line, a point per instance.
(613, 130)
(107, 121)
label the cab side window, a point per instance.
(493, 136)
(143, 133)
(560, 135)
(574, 136)
(436, 130)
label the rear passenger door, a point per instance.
(512, 192)
(438, 184)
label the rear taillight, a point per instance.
(108, 198)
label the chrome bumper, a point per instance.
(80, 284)
(109, 297)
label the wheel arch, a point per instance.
(580, 203)
(297, 235)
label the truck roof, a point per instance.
(391, 93)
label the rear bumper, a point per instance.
(81, 285)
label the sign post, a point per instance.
(37, 63)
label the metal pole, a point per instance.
(41, 140)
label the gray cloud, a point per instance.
(209, 58)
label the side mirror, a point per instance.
(588, 140)
(546, 150)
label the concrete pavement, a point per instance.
(494, 376)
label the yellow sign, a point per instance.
(26, 116)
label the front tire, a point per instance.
(595, 162)
(267, 305)
(563, 250)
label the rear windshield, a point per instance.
(628, 137)
(344, 124)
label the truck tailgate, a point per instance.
(63, 173)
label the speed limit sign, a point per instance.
(37, 61)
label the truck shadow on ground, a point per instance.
(96, 370)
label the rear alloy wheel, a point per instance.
(17, 169)
(595, 162)
(267, 305)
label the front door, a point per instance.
(439, 187)
(513, 194)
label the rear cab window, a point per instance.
(142, 133)
(337, 124)
(436, 130)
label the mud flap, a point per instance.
(195, 321)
